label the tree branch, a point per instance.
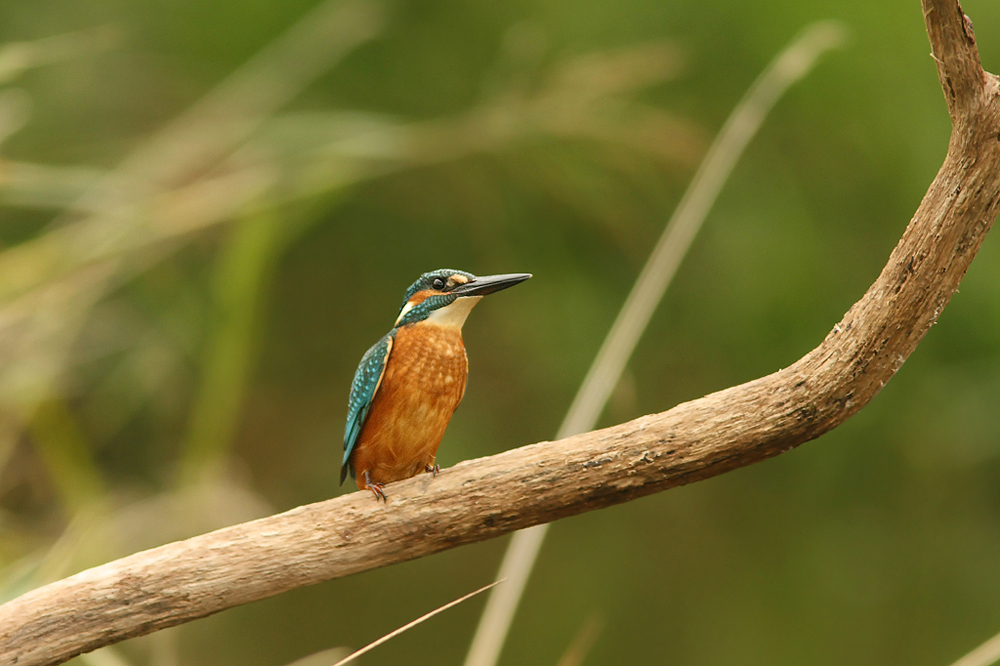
(484, 498)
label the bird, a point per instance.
(410, 382)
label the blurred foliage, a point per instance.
(208, 211)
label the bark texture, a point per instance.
(484, 498)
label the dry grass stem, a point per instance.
(406, 627)
(484, 498)
(582, 642)
(793, 63)
(984, 655)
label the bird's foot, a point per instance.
(433, 469)
(375, 487)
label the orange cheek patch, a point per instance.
(414, 301)
(419, 297)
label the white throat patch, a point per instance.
(402, 312)
(454, 313)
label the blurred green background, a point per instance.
(209, 211)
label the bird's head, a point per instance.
(445, 297)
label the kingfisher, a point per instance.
(409, 383)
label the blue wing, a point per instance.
(363, 388)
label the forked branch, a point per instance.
(484, 498)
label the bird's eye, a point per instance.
(438, 284)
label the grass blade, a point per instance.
(984, 655)
(793, 63)
(410, 625)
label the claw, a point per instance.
(433, 469)
(375, 487)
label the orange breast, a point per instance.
(423, 383)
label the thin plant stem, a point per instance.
(984, 655)
(244, 269)
(582, 642)
(60, 442)
(410, 625)
(791, 65)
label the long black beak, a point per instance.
(489, 284)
